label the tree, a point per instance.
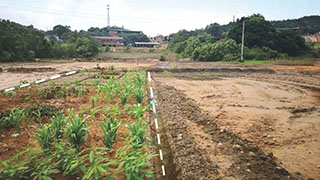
(290, 43)
(258, 32)
(228, 51)
(193, 42)
(134, 37)
(61, 31)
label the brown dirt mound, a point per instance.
(204, 151)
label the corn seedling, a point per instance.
(109, 128)
(96, 82)
(139, 94)
(94, 112)
(139, 80)
(138, 133)
(77, 131)
(13, 119)
(99, 167)
(124, 97)
(134, 163)
(58, 124)
(14, 168)
(92, 100)
(45, 137)
(138, 111)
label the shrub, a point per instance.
(217, 51)
(162, 58)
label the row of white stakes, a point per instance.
(156, 122)
(41, 81)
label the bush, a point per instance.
(227, 50)
(162, 58)
(263, 53)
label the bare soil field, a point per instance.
(13, 73)
(249, 125)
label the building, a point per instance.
(312, 38)
(112, 41)
(146, 44)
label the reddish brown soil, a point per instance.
(10, 145)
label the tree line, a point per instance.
(262, 41)
(25, 43)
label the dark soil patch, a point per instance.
(248, 162)
(29, 70)
(218, 70)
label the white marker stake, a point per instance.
(158, 137)
(156, 122)
(69, 73)
(160, 152)
(149, 76)
(163, 171)
(154, 108)
(40, 81)
(10, 89)
(151, 92)
(24, 85)
(55, 77)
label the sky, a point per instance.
(153, 17)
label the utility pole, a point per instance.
(242, 45)
(108, 15)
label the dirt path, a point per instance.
(281, 119)
(10, 79)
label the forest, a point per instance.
(263, 40)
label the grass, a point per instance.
(136, 55)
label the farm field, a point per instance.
(94, 127)
(246, 125)
(216, 121)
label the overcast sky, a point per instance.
(153, 17)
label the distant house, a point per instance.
(312, 38)
(146, 44)
(113, 41)
(125, 31)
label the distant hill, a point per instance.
(307, 24)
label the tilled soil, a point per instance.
(202, 150)
(276, 112)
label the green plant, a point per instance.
(42, 166)
(77, 131)
(124, 97)
(162, 58)
(134, 163)
(24, 82)
(94, 112)
(99, 167)
(139, 94)
(92, 100)
(138, 133)
(139, 80)
(45, 137)
(14, 168)
(109, 128)
(77, 82)
(52, 83)
(138, 110)
(13, 119)
(58, 124)
(81, 91)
